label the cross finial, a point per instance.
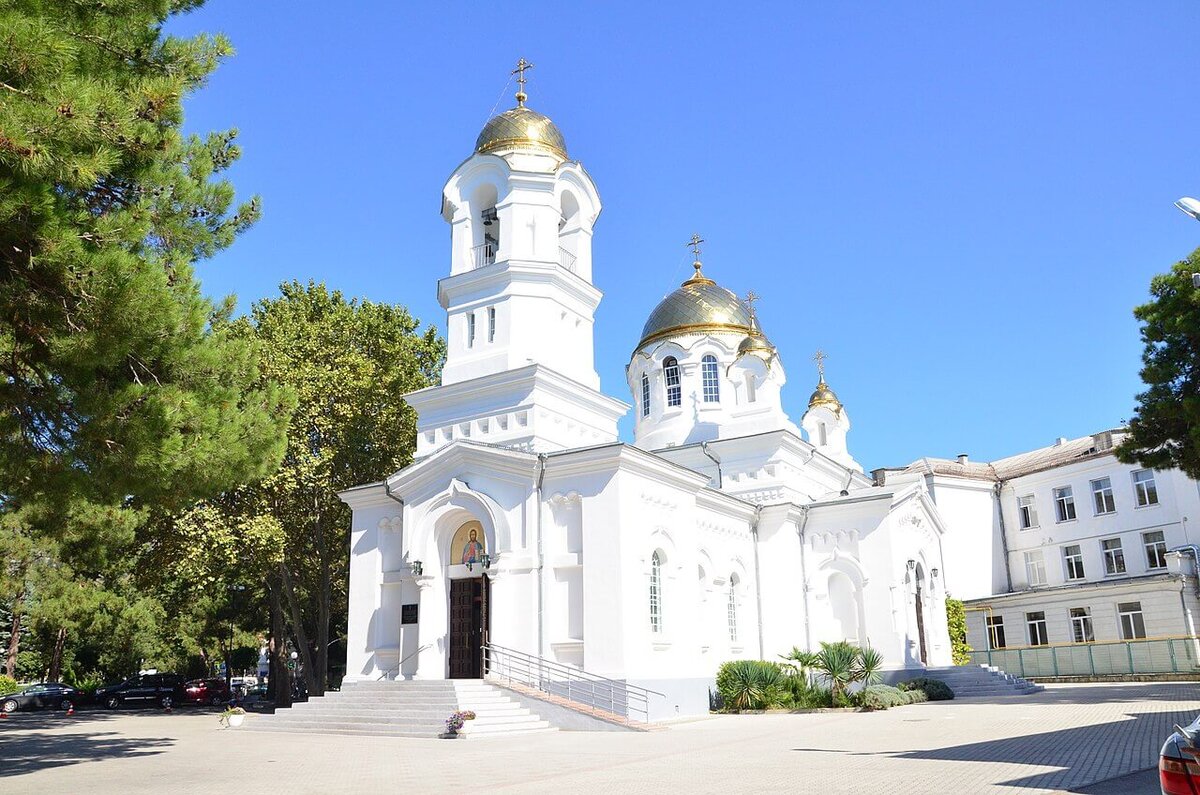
(751, 297)
(694, 245)
(820, 358)
(522, 65)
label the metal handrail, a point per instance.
(586, 689)
(396, 668)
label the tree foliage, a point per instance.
(1165, 431)
(956, 623)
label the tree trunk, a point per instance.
(298, 627)
(323, 598)
(14, 642)
(55, 671)
(279, 686)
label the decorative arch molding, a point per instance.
(477, 171)
(848, 566)
(459, 503)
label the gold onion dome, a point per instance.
(823, 396)
(757, 342)
(521, 128)
(699, 306)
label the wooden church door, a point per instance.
(468, 626)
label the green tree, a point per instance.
(956, 623)
(1165, 431)
(123, 390)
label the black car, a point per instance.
(146, 690)
(43, 695)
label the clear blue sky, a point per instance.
(960, 204)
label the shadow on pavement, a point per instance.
(27, 753)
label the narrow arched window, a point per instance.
(822, 436)
(671, 376)
(709, 374)
(732, 609)
(656, 622)
(751, 396)
(645, 395)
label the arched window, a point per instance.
(645, 395)
(732, 609)
(671, 376)
(822, 436)
(751, 396)
(709, 378)
(656, 622)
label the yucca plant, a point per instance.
(750, 684)
(837, 664)
(866, 669)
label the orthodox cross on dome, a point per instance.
(820, 358)
(750, 298)
(694, 245)
(522, 65)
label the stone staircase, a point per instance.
(403, 709)
(976, 681)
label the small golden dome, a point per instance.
(823, 396)
(521, 128)
(699, 306)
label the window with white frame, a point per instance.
(1081, 625)
(1156, 549)
(491, 324)
(1133, 623)
(751, 394)
(1144, 488)
(995, 631)
(710, 379)
(645, 395)
(731, 610)
(1027, 512)
(671, 377)
(470, 329)
(1073, 558)
(1036, 624)
(656, 620)
(1102, 496)
(1114, 556)
(1064, 503)
(1035, 567)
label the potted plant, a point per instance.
(455, 723)
(233, 717)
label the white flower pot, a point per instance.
(236, 720)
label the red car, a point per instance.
(207, 691)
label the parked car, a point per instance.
(1179, 761)
(207, 691)
(258, 691)
(43, 695)
(159, 690)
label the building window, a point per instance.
(709, 375)
(1064, 504)
(491, 324)
(1114, 556)
(470, 329)
(1035, 567)
(674, 389)
(1156, 549)
(656, 622)
(1027, 512)
(1102, 496)
(995, 631)
(1073, 557)
(822, 434)
(751, 394)
(1143, 486)
(1081, 625)
(645, 395)
(1133, 624)
(732, 609)
(1036, 622)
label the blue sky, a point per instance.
(960, 204)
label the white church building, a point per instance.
(724, 531)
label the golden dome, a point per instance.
(700, 305)
(824, 396)
(521, 128)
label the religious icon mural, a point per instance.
(468, 545)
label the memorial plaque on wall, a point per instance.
(408, 614)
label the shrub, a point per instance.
(882, 697)
(934, 689)
(8, 685)
(84, 683)
(751, 684)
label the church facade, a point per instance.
(724, 531)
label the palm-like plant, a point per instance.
(866, 669)
(837, 664)
(750, 684)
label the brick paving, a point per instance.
(1060, 740)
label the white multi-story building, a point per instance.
(1067, 545)
(524, 524)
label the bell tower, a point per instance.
(519, 298)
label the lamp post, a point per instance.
(234, 590)
(1191, 207)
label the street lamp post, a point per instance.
(1191, 207)
(234, 590)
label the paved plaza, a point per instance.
(1063, 739)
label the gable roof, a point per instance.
(1061, 453)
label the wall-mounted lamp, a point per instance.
(912, 564)
(485, 560)
(933, 572)
(417, 568)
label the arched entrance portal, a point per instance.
(470, 594)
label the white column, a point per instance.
(431, 628)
